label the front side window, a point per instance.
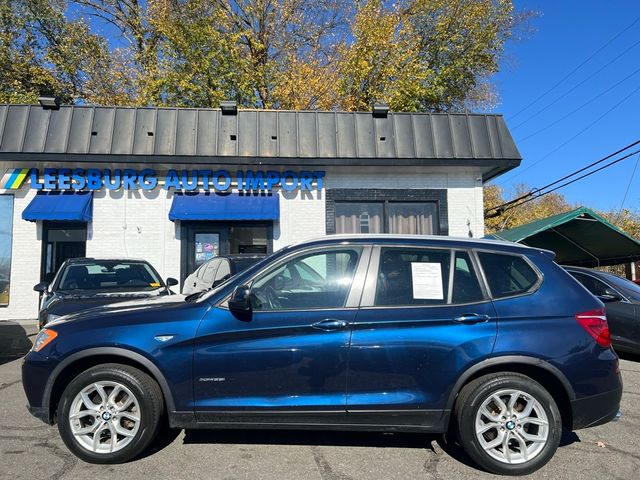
(412, 276)
(109, 275)
(210, 271)
(315, 280)
(507, 275)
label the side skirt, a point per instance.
(426, 421)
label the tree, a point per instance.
(433, 55)
(626, 220)
(42, 52)
(426, 55)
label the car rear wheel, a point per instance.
(110, 413)
(508, 423)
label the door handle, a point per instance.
(471, 318)
(330, 324)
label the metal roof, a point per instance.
(580, 237)
(183, 135)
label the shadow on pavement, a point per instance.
(632, 357)
(311, 437)
(14, 342)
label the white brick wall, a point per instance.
(136, 223)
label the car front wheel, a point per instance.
(508, 423)
(109, 413)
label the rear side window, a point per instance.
(466, 287)
(412, 276)
(507, 275)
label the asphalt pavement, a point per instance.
(32, 450)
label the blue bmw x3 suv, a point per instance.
(491, 341)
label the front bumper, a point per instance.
(596, 409)
(36, 370)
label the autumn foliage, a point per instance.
(415, 55)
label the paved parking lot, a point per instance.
(31, 450)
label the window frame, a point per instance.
(533, 289)
(355, 290)
(369, 293)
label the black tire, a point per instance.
(469, 402)
(147, 393)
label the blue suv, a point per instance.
(492, 341)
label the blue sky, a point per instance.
(565, 34)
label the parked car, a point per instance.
(622, 302)
(217, 270)
(401, 333)
(83, 283)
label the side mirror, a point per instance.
(609, 295)
(240, 302)
(41, 287)
(171, 282)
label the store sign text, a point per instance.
(148, 179)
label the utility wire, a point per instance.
(536, 197)
(591, 100)
(560, 97)
(570, 139)
(559, 82)
(586, 167)
(626, 192)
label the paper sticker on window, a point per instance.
(156, 285)
(426, 279)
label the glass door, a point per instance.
(202, 244)
(60, 242)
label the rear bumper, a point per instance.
(596, 409)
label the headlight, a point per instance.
(44, 338)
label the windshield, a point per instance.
(109, 276)
(629, 288)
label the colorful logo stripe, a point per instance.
(14, 178)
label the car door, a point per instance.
(290, 356)
(424, 318)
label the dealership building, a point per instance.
(177, 186)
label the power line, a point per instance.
(560, 97)
(626, 192)
(520, 172)
(591, 100)
(536, 197)
(559, 82)
(576, 172)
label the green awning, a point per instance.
(579, 237)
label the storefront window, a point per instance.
(387, 217)
(412, 218)
(6, 233)
(359, 217)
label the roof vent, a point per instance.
(49, 102)
(229, 107)
(380, 110)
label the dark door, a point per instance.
(291, 356)
(61, 241)
(415, 333)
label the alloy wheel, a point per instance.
(105, 417)
(511, 426)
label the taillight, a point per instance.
(595, 323)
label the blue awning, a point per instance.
(220, 206)
(60, 206)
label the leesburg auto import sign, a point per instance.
(66, 179)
